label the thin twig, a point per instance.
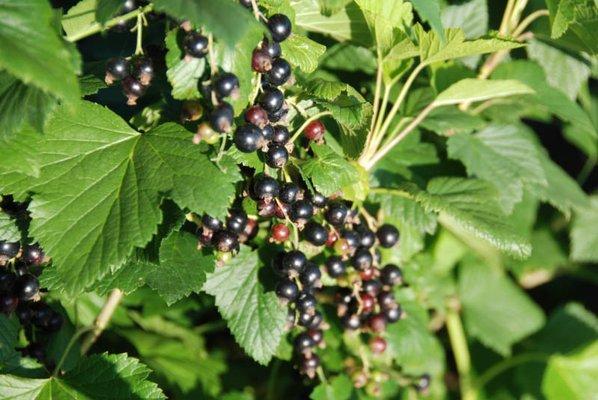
(103, 319)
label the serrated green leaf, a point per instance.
(279, 7)
(324, 88)
(80, 17)
(497, 312)
(255, 318)
(32, 51)
(429, 11)
(91, 84)
(19, 152)
(338, 388)
(584, 241)
(183, 74)
(302, 52)
(471, 16)
(403, 210)
(448, 121)
(501, 156)
(182, 268)
(577, 18)
(8, 229)
(107, 9)
(348, 57)
(387, 20)
(328, 171)
(472, 90)
(572, 376)
(330, 7)
(226, 19)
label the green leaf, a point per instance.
(255, 318)
(338, 388)
(328, 171)
(572, 376)
(449, 121)
(501, 156)
(22, 104)
(330, 7)
(107, 9)
(387, 20)
(471, 17)
(8, 229)
(32, 51)
(471, 90)
(183, 74)
(91, 84)
(302, 52)
(9, 335)
(324, 88)
(226, 19)
(579, 18)
(584, 241)
(19, 153)
(429, 11)
(348, 57)
(80, 17)
(103, 376)
(182, 268)
(497, 312)
(100, 182)
(471, 204)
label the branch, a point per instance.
(461, 354)
(102, 320)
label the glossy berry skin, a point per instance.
(372, 287)
(118, 68)
(236, 221)
(315, 233)
(301, 211)
(315, 322)
(8, 303)
(362, 259)
(317, 335)
(387, 235)
(277, 156)
(280, 72)
(278, 115)
(248, 138)
(393, 314)
(250, 231)
(351, 322)
(335, 266)
(42, 314)
(315, 131)
(310, 277)
(133, 88)
(422, 384)
(196, 45)
(266, 209)
(368, 302)
(221, 117)
(9, 249)
(304, 342)
(143, 69)
(287, 290)
(226, 241)
(272, 48)
(267, 133)
(336, 214)
(271, 99)
(246, 3)
(288, 193)
(378, 345)
(367, 238)
(280, 233)
(281, 135)
(265, 188)
(7, 280)
(317, 199)
(257, 116)
(261, 61)
(305, 319)
(377, 323)
(306, 303)
(280, 27)
(308, 365)
(226, 84)
(386, 300)
(293, 263)
(351, 237)
(391, 275)
(28, 287)
(210, 223)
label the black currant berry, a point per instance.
(265, 188)
(367, 238)
(372, 287)
(277, 156)
(221, 117)
(281, 134)
(8, 303)
(128, 6)
(133, 89)
(9, 249)
(248, 138)
(33, 254)
(293, 263)
(387, 235)
(267, 133)
(196, 45)
(246, 3)
(306, 303)
(368, 302)
(335, 266)
(27, 287)
(317, 199)
(362, 259)
(368, 274)
(288, 193)
(309, 365)
(317, 335)
(315, 131)
(117, 68)
(315, 233)
(24, 314)
(42, 314)
(7, 280)
(304, 342)
(422, 384)
(261, 61)
(310, 277)
(226, 241)
(305, 319)
(352, 238)
(280, 27)
(316, 321)
(351, 322)
(54, 323)
(337, 214)
(226, 85)
(257, 116)
(391, 275)
(386, 300)
(287, 290)
(279, 115)
(393, 314)
(143, 69)
(301, 211)
(236, 221)
(271, 99)
(272, 48)
(266, 208)
(210, 223)
(280, 72)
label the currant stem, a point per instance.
(461, 354)
(102, 319)
(69, 347)
(139, 27)
(507, 364)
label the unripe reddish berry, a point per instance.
(280, 233)
(315, 131)
(377, 345)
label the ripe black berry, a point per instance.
(143, 69)
(54, 323)
(272, 48)
(391, 275)
(277, 156)
(315, 322)
(309, 365)
(352, 238)
(7, 280)
(317, 335)
(221, 117)
(422, 384)
(362, 259)
(335, 266)
(226, 241)
(317, 199)
(387, 235)
(24, 314)
(281, 134)
(226, 84)
(301, 211)
(133, 89)
(305, 319)
(117, 68)
(315, 233)
(8, 303)
(267, 133)
(261, 61)
(293, 263)
(367, 238)
(280, 72)
(310, 277)
(246, 3)
(265, 188)
(315, 131)
(248, 138)
(306, 303)
(276, 116)
(372, 287)
(351, 322)
(337, 214)
(304, 342)
(280, 233)
(236, 221)
(386, 300)
(271, 99)
(393, 314)
(34, 255)
(288, 193)
(210, 223)
(287, 289)
(42, 314)
(257, 116)
(28, 287)
(280, 27)
(196, 45)
(9, 249)
(266, 208)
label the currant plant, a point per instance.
(324, 199)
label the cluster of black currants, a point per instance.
(226, 237)
(135, 75)
(20, 294)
